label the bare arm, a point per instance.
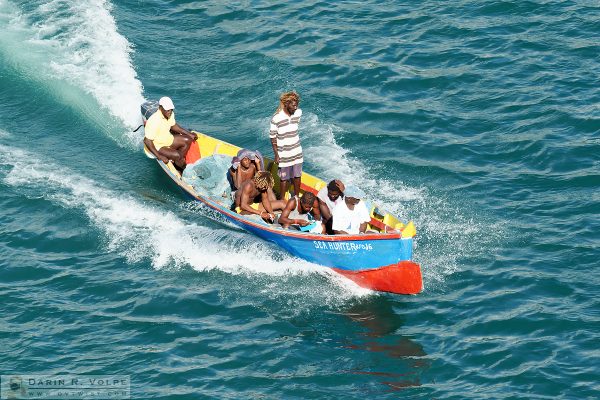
(237, 177)
(284, 218)
(267, 203)
(245, 200)
(316, 210)
(363, 227)
(150, 145)
(325, 211)
(274, 145)
(182, 131)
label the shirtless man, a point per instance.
(301, 212)
(243, 167)
(258, 188)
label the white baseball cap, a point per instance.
(166, 103)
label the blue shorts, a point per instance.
(287, 173)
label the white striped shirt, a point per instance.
(284, 129)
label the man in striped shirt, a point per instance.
(286, 142)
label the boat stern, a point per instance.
(403, 277)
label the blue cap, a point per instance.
(353, 191)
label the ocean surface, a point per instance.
(478, 120)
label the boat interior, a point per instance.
(381, 221)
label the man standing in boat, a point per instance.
(284, 137)
(165, 138)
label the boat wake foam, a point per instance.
(445, 233)
(64, 43)
(141, 232)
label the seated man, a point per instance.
(164, 138)
(243, 167)
(258, 188)
(351, 215)
(329, 197)
(301, 212)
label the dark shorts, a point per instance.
(287, 173)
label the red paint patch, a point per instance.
(402, 278)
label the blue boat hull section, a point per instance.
(350, 255)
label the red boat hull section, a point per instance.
(401, 278)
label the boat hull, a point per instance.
(380, 262)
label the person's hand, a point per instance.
(302, 222)
(340, 185)
(163, 158)
(267, 217)
(276, 158)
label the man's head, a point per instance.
(353, 195)
(307, 201)
(246, 157)
(263, 181)
(289, 102)
(335, 188)
(166, 106)
(245, 162)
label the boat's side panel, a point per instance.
(331, 251)
(352, 255)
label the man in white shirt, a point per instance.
(330, 196)
(351, 215)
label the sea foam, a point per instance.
(74, 43)
(141, 232)
(445, 233)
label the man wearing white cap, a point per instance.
(351, 215)
(165, 138)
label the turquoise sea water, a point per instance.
(480, 121)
